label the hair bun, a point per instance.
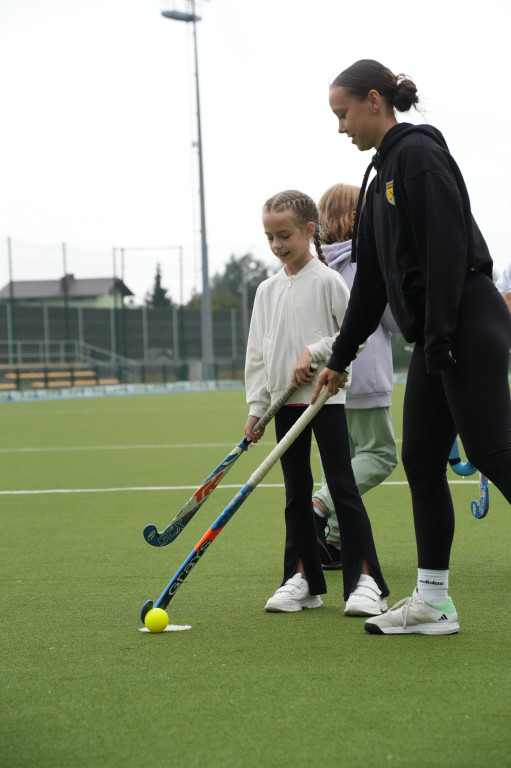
(405, 94)
(367, 74)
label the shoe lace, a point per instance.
(404, 605)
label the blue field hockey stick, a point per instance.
(465, 468)
(222, 520)
(480, 508)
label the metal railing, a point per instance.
(38, 352)
(60, 364)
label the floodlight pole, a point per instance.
(206, 312)
(14, 349)
(66, 302)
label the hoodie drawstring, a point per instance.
(360, 203)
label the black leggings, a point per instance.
(470, 399)
(331, 433)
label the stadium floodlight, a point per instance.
(180, 15)
(206, 313)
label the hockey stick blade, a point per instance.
(222, 520)
(480, 508)
(162, 538)
(195, 502)
(465, 468)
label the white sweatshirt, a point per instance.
(504, 282)
(291, 313)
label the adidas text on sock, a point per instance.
(432, 586)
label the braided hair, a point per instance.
(304, 210)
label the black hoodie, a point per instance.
(416, 243)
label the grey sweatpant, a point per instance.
(373, 456)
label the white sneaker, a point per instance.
(293, 596)
(414, 616)
(366, 599)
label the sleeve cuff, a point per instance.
(439, 359)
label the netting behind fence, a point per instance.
(29, 333)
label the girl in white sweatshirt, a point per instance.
(297, 314)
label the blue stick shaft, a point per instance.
(254, 480)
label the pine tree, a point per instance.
(158, 297)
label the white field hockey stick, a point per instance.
(221, 521)
(162, 538)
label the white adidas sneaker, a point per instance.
(414, 616)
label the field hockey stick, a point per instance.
(222, 520)
(480, 508)
(162, 538)
(465, 468)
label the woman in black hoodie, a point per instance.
(418, 248)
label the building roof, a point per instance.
(86, 288)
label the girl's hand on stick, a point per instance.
(302, 373)
(251, 422)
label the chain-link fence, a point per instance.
(126, 345)
(44, 343)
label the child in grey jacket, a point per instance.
(371, 433)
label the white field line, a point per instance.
(183, 488)
(136, 447)
(67, 448)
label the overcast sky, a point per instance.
(98, 122)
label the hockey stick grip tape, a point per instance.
(288, 439)
(277, 405)
(273, 409)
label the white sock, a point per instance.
(432, 586)
(319, 512)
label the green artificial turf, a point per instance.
(81, 686)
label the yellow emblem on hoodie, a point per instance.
(390, 192)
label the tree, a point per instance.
(235, 287)
(158, 297)
(241, 277)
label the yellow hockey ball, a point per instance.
(156, 620)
